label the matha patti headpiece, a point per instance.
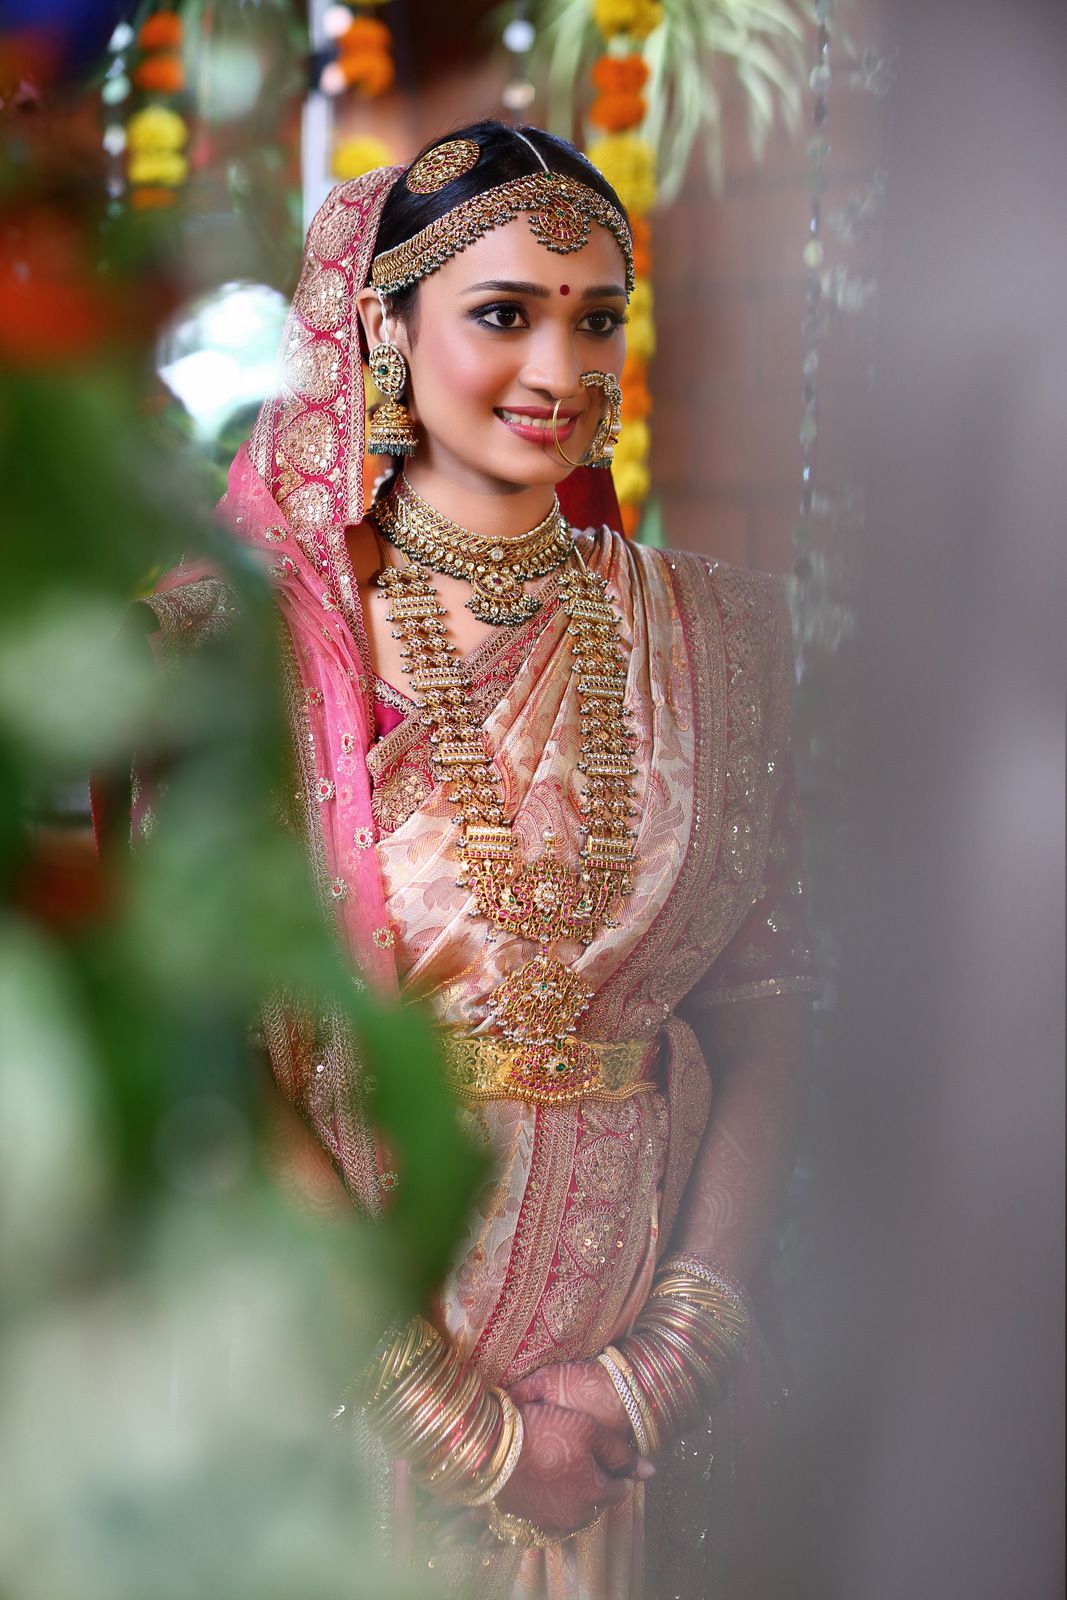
(441, 165)
(560, 211)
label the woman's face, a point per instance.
(503, 331)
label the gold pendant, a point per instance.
(553, 1074)
(543, 900)
(540, 1003)
(498, 597)
(537, 1008)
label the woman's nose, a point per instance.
(552, 366)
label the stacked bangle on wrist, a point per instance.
(461, 1437)
(621, 1374)
(682, 1350)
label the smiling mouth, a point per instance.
(522, 419)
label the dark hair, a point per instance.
(504, 157)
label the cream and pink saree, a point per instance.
(560, 1251)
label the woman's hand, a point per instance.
(571, 1468)
(580, 1386)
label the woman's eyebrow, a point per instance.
(539, 291)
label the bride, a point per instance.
(546, 785)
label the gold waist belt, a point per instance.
(481, 1069)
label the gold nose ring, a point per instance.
(555, 435)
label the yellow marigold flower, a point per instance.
(632, 481)
(636, 17)
(641, 299)
(156, 128)
(629, 164)
(641, 338)
(353, 157)
(633, 441)
(164, 167)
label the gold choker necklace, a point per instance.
(538, 1006)
(495, 568)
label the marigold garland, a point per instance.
(629, 164)
(156, 135)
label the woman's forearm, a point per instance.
(757, 1054)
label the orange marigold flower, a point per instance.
(642, 236)
(631, 518)
(163, 31)
(365, 33)
(151, 197)
(620, 74)
(161, 75)
(617, 111)
(634, 369)
(636, 401)
(372, 72)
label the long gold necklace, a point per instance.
(537, 1007)
(495, 568)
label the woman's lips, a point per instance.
(539, 428)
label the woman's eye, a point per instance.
(500, 316)
(603, 322)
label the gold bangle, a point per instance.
(624, 1382)
(502, 1466)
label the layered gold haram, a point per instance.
(537, 1007)
(462, 1438)
(495, 568)
(681, 1353)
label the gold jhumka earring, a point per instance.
(602, 448)
(392, 432)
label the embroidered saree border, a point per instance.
(533, 1244)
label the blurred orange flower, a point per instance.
(364, 34)
(617, 111)
(160, 75)
(636, 400)
(151, 197)
(52, 308)
(631, 518)
(163, 31)
(620, 74)
(373, 72)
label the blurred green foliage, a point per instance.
(176, 1331)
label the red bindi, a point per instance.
(564, 288)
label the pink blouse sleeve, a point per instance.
(771, 951)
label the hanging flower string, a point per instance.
(629, 164)
(157, 134)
